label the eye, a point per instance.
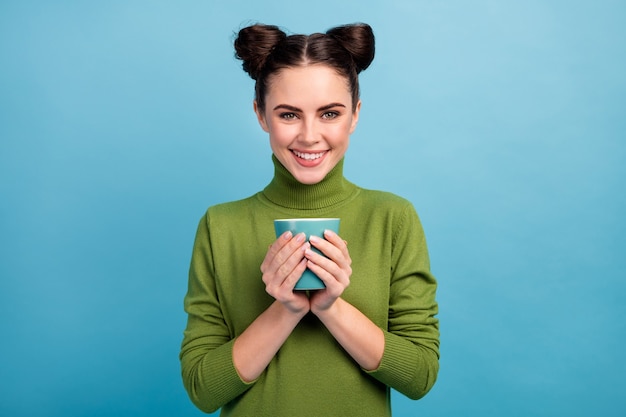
(329, 115)
(288, 116)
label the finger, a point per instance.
(280, 287)
(320, 260)
(334, 249)
(274, 248)
(290, 282)
(339, 243)
(328, 267)
(277, 268)
(288, 249)
(286, 268)
(336, 240)
(335, 282)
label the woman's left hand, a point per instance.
(334, 269)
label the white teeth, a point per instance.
(308, 156)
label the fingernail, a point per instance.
(300, 237)
(287, 235)
(328, 233)
(314, 239)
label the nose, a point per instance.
(309, 133)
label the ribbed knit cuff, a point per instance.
(399, 363)
(229, 384)
(407, 368)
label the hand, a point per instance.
(282, 267)
(334, 269)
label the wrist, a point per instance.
(327, 311)
(289, 313)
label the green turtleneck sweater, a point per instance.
(311, 375)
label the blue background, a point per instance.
(502, 121)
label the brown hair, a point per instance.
(266, 50)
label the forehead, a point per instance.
(312, 83)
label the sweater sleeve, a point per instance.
(208, 372)
(410, 360)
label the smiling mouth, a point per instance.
(309, 156)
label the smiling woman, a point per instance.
(254, 344)
(310, 121)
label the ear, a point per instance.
(355, 116)
(260, 117)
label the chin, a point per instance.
(308, 179)
(309, 176)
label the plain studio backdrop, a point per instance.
(502, 121)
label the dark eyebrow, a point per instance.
(330, 106)
(297, 110)
(288, 107)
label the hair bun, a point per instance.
(254, 44)
(358, 40)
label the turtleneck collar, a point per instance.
(284, 190)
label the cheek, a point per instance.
(339, 133)
(281, 134)
(352, 126)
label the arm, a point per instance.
(217, 368)
(410, 363)
(354, 331)
(405, 356)
(258, 344)
(208, 373)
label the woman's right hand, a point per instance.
(282, 267)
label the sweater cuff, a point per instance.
(395, 369)
(229, 385)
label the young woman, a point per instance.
(255, 347)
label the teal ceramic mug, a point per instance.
(310, 227)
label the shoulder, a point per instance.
(390, 209)
(385, 199)
(229, 212)
(231, 208)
